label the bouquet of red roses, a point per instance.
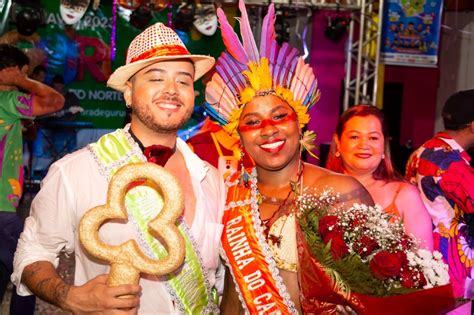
(362, 257)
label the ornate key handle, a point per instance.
(126, 259)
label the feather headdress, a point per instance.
(243, 72)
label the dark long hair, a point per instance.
(385, 169)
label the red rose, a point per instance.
(385, 265)
(339, 248)
(403, 258)
(328, 224)
(365, 246)
(411, 278)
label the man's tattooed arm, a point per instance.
(43, 280)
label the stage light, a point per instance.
(336, 28)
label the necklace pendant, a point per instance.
(275, 240)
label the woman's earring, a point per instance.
(244, 176)
(128, 105)
(337, 154)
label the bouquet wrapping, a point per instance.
(362, 258)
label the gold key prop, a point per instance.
(126, 259)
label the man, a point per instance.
(157, 82)
(34, 99)
(440, 168)
(30, 129)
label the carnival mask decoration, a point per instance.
(205, 19)
(73, 10)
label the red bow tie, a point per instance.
(158, 154)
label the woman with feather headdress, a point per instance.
(263, 96)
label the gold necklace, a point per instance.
(282, 205)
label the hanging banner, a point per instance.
(76, 42)
(76, 45)
(411, 32)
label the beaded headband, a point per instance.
(243, 72)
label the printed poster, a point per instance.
(411, 32)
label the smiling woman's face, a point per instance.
(72, 11)
(361, 145)
(269, 131)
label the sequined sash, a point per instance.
(189, 285)
(248, 256)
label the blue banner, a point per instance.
(411, 32)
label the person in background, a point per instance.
(440, 168)
(20, 98)
(360, 149)
(38, 73)
(267, 113)
(157, 82)
(30, 129)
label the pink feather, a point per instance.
(231, 40)
(247, 36)
(268, 32)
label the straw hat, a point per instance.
(157, 43)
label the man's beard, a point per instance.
(144, 114)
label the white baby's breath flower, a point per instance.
(437, 255)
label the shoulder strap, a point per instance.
(400, 186)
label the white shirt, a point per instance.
(74, 185)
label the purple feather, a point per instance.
(268, 32)
(231, 40)
(281, 67)
(247, 36)
(228, 68)
(288, 65)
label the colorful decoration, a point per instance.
(113, 32)
(73, 10)
(93, 62)
(62, 55)
(205, 19)
(243, 72)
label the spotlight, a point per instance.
(336, 28)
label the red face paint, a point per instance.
(268, 122)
